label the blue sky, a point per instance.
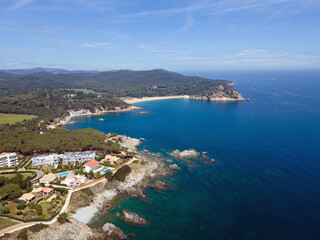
(198, 35)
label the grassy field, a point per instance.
(4, 223)
(11, 175)
(13, 118)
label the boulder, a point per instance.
(190, 153)
(113, 231)
(133, 218)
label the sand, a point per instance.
(146, 99)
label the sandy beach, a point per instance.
(146, 99)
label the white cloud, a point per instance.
(95, 45)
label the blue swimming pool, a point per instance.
(63, 174)
(107, 170)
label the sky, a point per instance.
(177, 35)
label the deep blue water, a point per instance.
(265, 183)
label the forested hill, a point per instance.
(121, 83)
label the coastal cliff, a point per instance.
(222, 92)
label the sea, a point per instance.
(265, 182)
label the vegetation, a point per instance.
(23, 234)
(122, 173)
(63, 218)
(13, 118)
(27, 142)
(122, 83)
(4, 223)
(38, 227)
(52, 104)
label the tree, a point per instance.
(3, 181)
(5, 210)
(63, 218)
(10, 191)
(121, 173)
(21, 206)
(108, 175)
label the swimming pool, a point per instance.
(107, 170)
(63, 174)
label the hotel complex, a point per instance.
(69, 157)
(8, 159)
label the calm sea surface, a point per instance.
(265, 183)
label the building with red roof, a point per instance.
(91, 166)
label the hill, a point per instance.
(122, 83)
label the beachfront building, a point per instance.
(69, 157)
(8, 159)
(93, 165)
(72, 180)
(47, 179)
(28, 197)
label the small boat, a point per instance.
(101, 119)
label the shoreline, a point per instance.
(147, 99)
(134, 182)
(69, 118)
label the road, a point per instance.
(64, 208)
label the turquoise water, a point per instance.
(63, 174)
(265, 183)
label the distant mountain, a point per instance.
(42, 70)
(120, 83)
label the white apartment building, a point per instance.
(69, 157)
(8, 159)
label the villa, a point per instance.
(72, 180)
(91, 166)
(47, 179)
(40, 191)
(28, 197)
(8, 159)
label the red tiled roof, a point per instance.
(92, 163)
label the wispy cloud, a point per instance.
(189, 23)
(21, 3)
(301, 9)
(278, 12)
(95, 45)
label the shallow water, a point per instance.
(265, 183)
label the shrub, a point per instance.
(21, 206)
(5, 210)
(38, 227)
(23, 234)
(63, 218)
(63, 191)
(19, 213)
(36, 207)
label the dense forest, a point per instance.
(50, 104)
(32, 136)
(123, 83)
(27, 141)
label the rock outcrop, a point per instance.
(174, 167)
(190, 153)
(133, 218)
(130, 143)
(113, 232)
(223, 92)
